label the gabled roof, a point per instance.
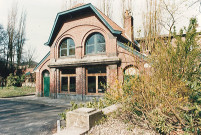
(114, 28)
(48, 54)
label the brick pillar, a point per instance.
(80, 80)
(58, 81)
(52, 82)
(38, 84)
(112, 74)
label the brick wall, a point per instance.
(79, 29)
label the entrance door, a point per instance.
(46, 84)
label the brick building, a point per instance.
(88, 52)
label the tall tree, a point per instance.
(20, 37)
(11, 31)
(3, 42)
(151, 23)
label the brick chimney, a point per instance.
(128, 25)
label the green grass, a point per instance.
(16, 91)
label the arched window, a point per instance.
(67, 47)
(129, 72)
(95, 44)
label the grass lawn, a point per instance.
(16, 91)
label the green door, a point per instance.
(46, 84)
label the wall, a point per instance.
(79, 28)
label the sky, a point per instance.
(41, 15)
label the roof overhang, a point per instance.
(48, 54)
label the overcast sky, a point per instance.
(41, 15)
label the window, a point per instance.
(67, 47)
(96, 80)
(95, 44)
(130, 72)
(68, 80)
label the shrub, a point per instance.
(97, 104)
(14, 80)
(167, 97)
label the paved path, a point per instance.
(29, 115)
(41, 100)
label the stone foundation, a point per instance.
(77, 97)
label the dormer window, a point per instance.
(95, 44)
(67, 47)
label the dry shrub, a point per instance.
(160, 96)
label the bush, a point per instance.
(168, 97)
(97, 104)
(14, 80)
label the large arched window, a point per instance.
(95, 44)
(67, 47)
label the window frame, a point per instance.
(68, 76)
(67, 40)
(95, 75)
(95, 44)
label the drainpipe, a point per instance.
(82, 83)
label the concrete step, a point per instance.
(72, 131)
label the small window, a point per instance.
(130, 72)
(100, 69)
(95, 44)
(68, 71)
(67, 47)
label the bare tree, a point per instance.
(3, 43)
(29, 56)
(20, 37)
(151, 23)
(11, 31)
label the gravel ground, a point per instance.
(117, 127)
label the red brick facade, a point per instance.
(78, 28)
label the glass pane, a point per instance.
(68, 71)
(131, 71)
(72, 84)
(46, 74)
(71, 43)
(102, 82)
(64, 52)
(92, 70)
(64, 44)
(91, 84)
(90, 40)
(72, 51)
(100, 47)
(64, 84)
(90, 49)
(100, 38)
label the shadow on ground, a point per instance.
(21, 118)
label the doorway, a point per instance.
(46, 83)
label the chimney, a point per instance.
(128, 25)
